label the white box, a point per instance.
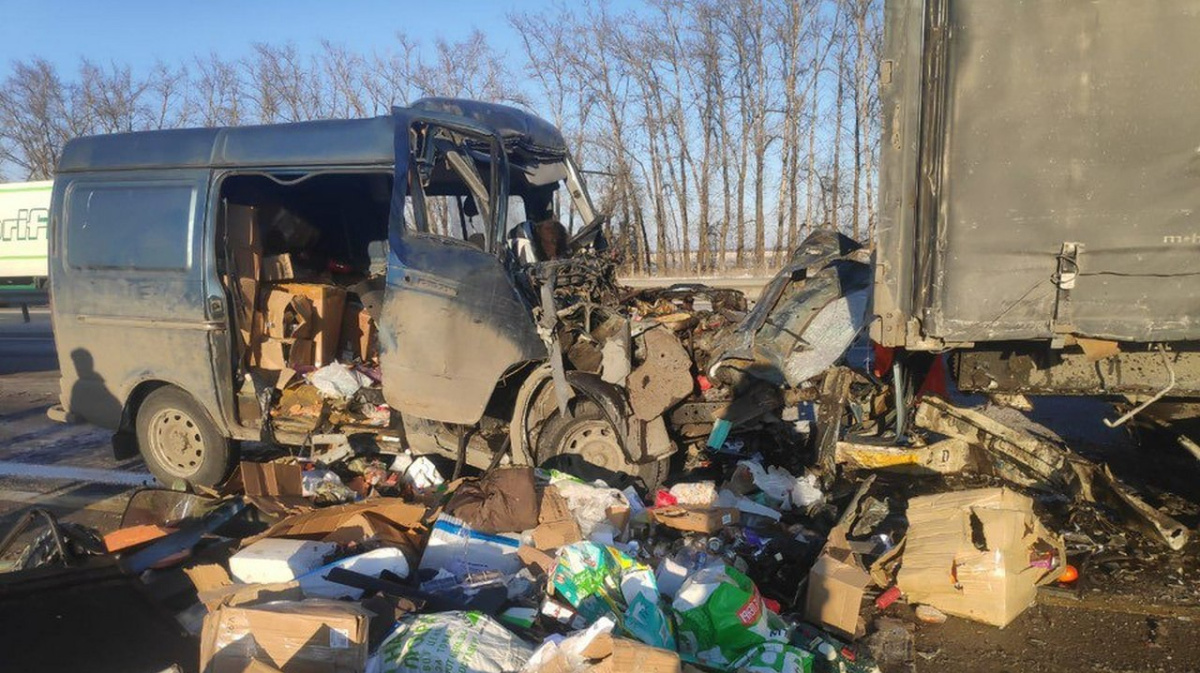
(373, 563)
(278, 560)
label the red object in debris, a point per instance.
(887, 598)
(772, 605)
(1069, 574)
(339, 267)
(703, 382)
(665, 499)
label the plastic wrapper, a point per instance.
(338, 381)
(775, 483)
(600, 581)
(721, 617)
(450, 642)
(565, 655)
(697, 494)
(417, 472)
(590, 504)
(806, 491)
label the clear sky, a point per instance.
(138, 32)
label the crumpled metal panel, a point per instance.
(806, 318)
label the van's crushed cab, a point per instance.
(403, 280)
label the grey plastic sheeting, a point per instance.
(1013, 127)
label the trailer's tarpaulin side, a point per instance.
(1057, 150)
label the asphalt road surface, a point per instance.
(67, 469)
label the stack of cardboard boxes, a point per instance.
(282, 322)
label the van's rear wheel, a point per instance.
(179, 442)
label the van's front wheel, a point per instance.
(179, 442)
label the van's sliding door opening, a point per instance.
(304, 259)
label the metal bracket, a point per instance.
(1158, 396)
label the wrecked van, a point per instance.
(391, 279)
(1038, 195)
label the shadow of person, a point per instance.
(90, 398)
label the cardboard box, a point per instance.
(312, 636)
(273, 560)
(281, 354)
(278, 267)
(241, 227)
(288, 316)
(393, 520)
(359, 336)
(548, 536)
(620, 654)
(556, 526)
(328, 304)
(835, 592)
(273, 487)
(272, 479)
(968, 554)
(695, 519)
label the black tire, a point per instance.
(587, 446)
(179, 442)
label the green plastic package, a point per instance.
(599, 580)
(721, 616)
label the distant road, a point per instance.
(26, 346)
(751, 286)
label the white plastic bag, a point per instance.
(338, 380)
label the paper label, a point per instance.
(339, 639)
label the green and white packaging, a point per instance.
(450, 642)
(775, 658)
(720, 617)
(598, 580)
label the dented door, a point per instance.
(452, 322)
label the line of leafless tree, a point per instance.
(720, 132)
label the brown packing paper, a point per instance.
(968, 554)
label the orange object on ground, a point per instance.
(133, 536)
(1070, 574)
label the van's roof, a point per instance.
(355, 142)
(332, 142)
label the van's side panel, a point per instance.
(131, 281)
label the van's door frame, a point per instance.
(225, 360)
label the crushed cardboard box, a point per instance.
(970, 553)
(695, 519)
(313, 636)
